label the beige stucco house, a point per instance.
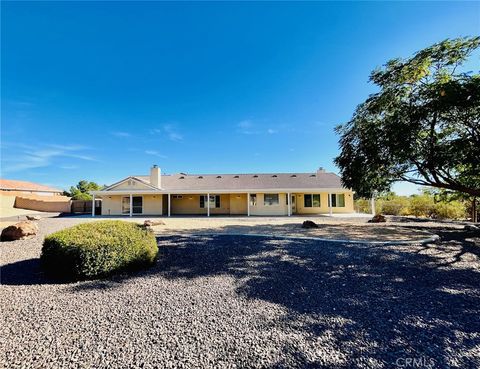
(228, 194)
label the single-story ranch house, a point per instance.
(231, 194)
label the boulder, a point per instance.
(19, 231)
(152, 223)
(33, 217)
(309, 224)
(379, 218)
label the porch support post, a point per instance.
(289, 204)
(373, 205)
(169, 211)
(93, 206)
(248, 204)
(330, 203)
(131, 204)
(208, 204)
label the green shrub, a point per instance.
(362, 206)
(421, 205)
(97, 249)
(365, 206)
(395, 206)
(449, 210)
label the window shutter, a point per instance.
(202, 201)
(217, 201)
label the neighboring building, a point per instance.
(230, 194)
(31, 196)
(12, 187)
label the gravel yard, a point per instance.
(233, 302)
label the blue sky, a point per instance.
(103, 90)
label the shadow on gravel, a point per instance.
(378, 304)
(373, 305)
(24, 272)
(455, 242)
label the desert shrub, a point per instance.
(424, 205)
(97, 249)
(421, 205)
(395, 206)
(362, 206)
(365, 206)
(449, 210)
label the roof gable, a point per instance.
(131, 183)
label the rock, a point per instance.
(309, 224)
(33, 217)
(471, 227)
(19, 231)
(151, 223)
(379, 218)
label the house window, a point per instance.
(253, 199)
(214, 201)
(137, 205)
(338, 200)
(178, 197)
(311, 200)
(270, 199)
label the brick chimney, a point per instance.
(156, 176)
(321, 170)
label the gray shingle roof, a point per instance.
(254, 181)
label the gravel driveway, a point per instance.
(238, 302)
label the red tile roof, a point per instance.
(11, 184)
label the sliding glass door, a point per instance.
(137, 205)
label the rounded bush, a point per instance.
(97, 249)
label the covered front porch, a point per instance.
(160, 203)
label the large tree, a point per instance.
(81, 190)
(423, 126)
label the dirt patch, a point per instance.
(343, 230)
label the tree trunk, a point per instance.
(474, 210)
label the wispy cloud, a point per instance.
(27, 157)
(121, 134)
(168, 130)
(68, 167)
(155, 153)
(20, 103)
(246, 127)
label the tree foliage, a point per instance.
(81, 190)
(423, 126)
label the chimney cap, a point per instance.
(321, 170)
(154, 166)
